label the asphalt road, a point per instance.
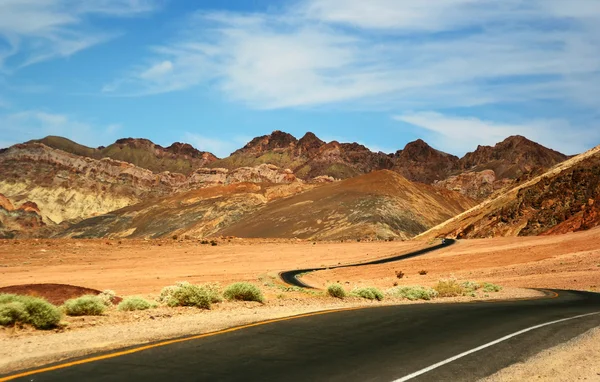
(373, 344)
(290, 277)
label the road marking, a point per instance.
(452, 359)
(169, 342)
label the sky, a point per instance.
(216, 73)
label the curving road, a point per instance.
(291, 277)
(375, 344)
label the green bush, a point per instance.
(186, 294)
(489, 287)
(244, 292)
(336, 290)
(135, 303)
(12, 313)
(470, 286)
(449, 288)
(412, 292)
(88, 305)
(35, 311)
(370, 293)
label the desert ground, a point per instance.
(570, 261)
(144, 267)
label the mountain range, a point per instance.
(274, 186)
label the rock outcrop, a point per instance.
(15, 222)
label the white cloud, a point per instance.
(37, 30)
(458, 135)
(157, 71)
(34, 124)
(397, 54)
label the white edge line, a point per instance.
(451, 359)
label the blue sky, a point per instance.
(456, 73)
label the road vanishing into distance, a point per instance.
(291, 277)
(418, 342)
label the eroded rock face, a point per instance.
(68, 186)
(476, 185)
(15, 222)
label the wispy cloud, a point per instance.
(399, 54)
(25, 125)
(32, 31)
(457, 134)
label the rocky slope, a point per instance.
(197, 213)
(179, 157)
(68, 186)
(420, 162)
(491, 168)
(381, 204)
(564, 199)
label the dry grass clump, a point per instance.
(88, 305)
(37, 312)
(449, 288)
(370, 293)
(412, 292)
(243, 291)
(336, 290)
(135, 303)
(108, 297)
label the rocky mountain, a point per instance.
(564, 199)
(381, 204)
(420, 162)
(489, 169)
(308, 157)
(179, 157)
(68, 186)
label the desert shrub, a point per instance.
(423, 272)
(135, 303)
(489, 287)
(174, 237)
(214, 292)
(88, 305)
(12, 313)
(399, 274)
(470, 286)
(186, 294)
(28, 310)
(370, 293)
(336, 290)
(412, 292)
(244, 292)
(449, 288)
(108, 297)
(213, 243)
(204, 242)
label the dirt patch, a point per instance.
(56, 294)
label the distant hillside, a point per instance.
(178, 158)
(381, 204)
(564, 199)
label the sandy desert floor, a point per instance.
(570, 261)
